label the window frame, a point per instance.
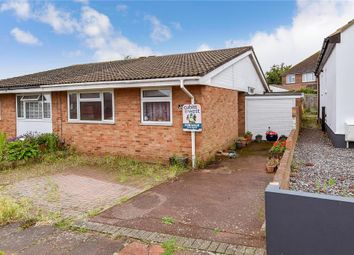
(100, 99)
(287, 78)
(304, 75)
(155, 100)
(43, 119)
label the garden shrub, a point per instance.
(22, 150)
(2, 145)
(50, 141)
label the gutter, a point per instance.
(102, 85)
(189, 94)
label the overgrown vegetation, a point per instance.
(28, 147)
(12, 210)
(169, 247)
(275, 73)
(308, 91)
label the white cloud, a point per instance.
(73, 54)
(93, 27)
(59, 20)
(107, 43)
(82, 1)
(122, 8)
(24, 37)
(176, 25)
(203, 47)
(160, 32)
(21, 8)
(314, 20)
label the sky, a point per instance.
(39, 35)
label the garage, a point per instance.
(272, 111)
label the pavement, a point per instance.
(222, 203)
(48, 240)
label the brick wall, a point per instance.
(8, 114)
(128, 137)
(220, 120)
(241, 114)
(298, 83)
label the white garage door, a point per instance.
(274, 112)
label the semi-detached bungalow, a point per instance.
(133, 107)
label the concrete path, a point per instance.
(47, 240)
(223, 203)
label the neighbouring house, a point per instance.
(134, 107)
(336, 89)
(301, 75)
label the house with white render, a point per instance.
(336, 86)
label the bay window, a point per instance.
(33, 106)
(156, 106)
(91, 106)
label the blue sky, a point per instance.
(40, 35)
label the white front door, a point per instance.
(33, 113)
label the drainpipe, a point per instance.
(193, 132)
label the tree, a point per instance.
(273, 76)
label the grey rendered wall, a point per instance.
(301, 223)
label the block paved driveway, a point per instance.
(224, 202)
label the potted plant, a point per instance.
(258, 138)
(271, 136)
(248, 136)
(272, 165)
(241, 142)
(278, 149)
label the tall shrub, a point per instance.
(2, 145)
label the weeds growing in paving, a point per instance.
(12, 210)
(168, 220)
(169, 247)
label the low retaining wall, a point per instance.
(282, 176)
(307, 223)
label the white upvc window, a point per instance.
(156, 106)
(91, 107)
(33, 106)
(308, 77)
(290, 78)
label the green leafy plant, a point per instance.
(308, 91)
(22, 150)
(331, 182)
(168, 220)
(169, 247)
(278, 149)
(2, 145)
(248, 133)
(50, 141)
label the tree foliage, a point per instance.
(273, 76)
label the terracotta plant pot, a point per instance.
(248, 137)
(271, 168)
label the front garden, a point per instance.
(32, 167)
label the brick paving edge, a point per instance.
(183, 242)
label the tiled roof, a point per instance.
(308, 65)
(178, 65)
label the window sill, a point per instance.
(165, 124)
(91, 122)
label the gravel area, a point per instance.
(318, 167)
